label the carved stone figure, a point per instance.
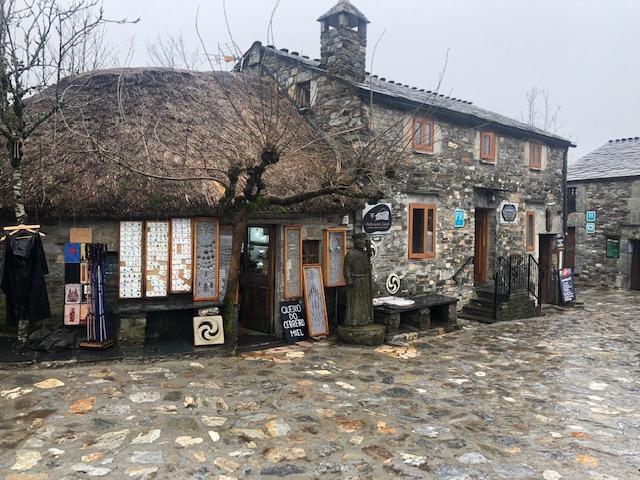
(357, 275)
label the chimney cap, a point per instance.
(344, 6)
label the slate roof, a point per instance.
(615, 159)
(344, 6)
(430, 99)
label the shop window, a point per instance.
(303, 94)
(423, 134)
(311, 252)
(335, 248)
(293, 262)
(535, 156)
(531, 231)
(422, 231)
(613, 247)
(488, 146)
(571, 199)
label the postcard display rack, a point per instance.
(181, 255)
(157, 259)
(130, 260)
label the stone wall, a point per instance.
(617, 206)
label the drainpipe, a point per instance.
(564, 208)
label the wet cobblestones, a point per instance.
(556, 397)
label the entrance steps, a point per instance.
(481, 308)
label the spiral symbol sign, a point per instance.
(208, 330)
(393, 284)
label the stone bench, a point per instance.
(428, 311)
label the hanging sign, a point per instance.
(567, 287)
(458, 218)
(314, 301)
(591, 216)
(508, 212)
(293, 321)
(376, 218)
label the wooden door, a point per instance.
(481, 247)
(547, 285)
(570, 249)
(257, 280)
(635, 265)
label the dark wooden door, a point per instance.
(481, 248)
(547, 285)
(257, 279)
(635, 265)
(570, 249)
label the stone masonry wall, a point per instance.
(617, 207)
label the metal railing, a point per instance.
(456, 275)
(516, 274)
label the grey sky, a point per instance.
(585, 52)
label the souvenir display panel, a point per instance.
(181, 255)
(205, 285)
(293, 262)
(157, 259)
(130, 260)
(335, 250)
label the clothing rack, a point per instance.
(13, 229)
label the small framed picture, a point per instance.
(72, 314)
(72, 293)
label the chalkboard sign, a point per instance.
(314, 301)
(207, 253)
(293, 321)
(567, 287)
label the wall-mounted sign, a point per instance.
(591, 216)
(458, 218)
(567, 287)
(613, 248)
(376, 218)
(508, 212)
(591, 228)
(293, 321)
(393, 284)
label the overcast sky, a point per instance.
(584, 52)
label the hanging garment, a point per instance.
(23, 269)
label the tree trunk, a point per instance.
(231, 307)
(18, 199)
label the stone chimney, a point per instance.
(343, 41)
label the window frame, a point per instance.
(530, 234)
(424, 146)
(572, 199)
(533, 146)
(326, 254)
(287, 293)
(491, 156)
(425, 254)
(303, 94)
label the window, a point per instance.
(571, 199)
(535, 156)
(488, 146)
(311, 252)
(422, 134)
(422, 231)
(293, 262)
(531, 231)
(303, 94)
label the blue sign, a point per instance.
(72, 253)
(458, 219)
(591, 216)
(591, 228)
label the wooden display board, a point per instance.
(157, 259)
(317, 321)
(335, 248)
(292, 262)
(181, 255)
(130, 264)
(206, 253)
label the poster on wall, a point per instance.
(181, 255)
(567, 286)
(293, 262)
(130, 269)
(376, 218)
(293, 321)
(314, 300)
(157, 259)
(206, 252)
(335, 248)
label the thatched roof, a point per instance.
(85, 162)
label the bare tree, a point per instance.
(541, 112)
(173, 52)
(42, 41)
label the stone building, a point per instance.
(463, 162)
(603, 239)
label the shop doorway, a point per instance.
(635, 265)
(570, 251)
(547, 285)
(257, 280)
(481, 246)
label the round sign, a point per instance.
(509, 212)
(393, 284)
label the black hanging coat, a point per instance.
(22, 279)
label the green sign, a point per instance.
(613, 248)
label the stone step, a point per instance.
(478, 312)
(477, 318)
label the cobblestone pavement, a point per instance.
(551, 398)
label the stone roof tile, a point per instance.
(617, 158)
